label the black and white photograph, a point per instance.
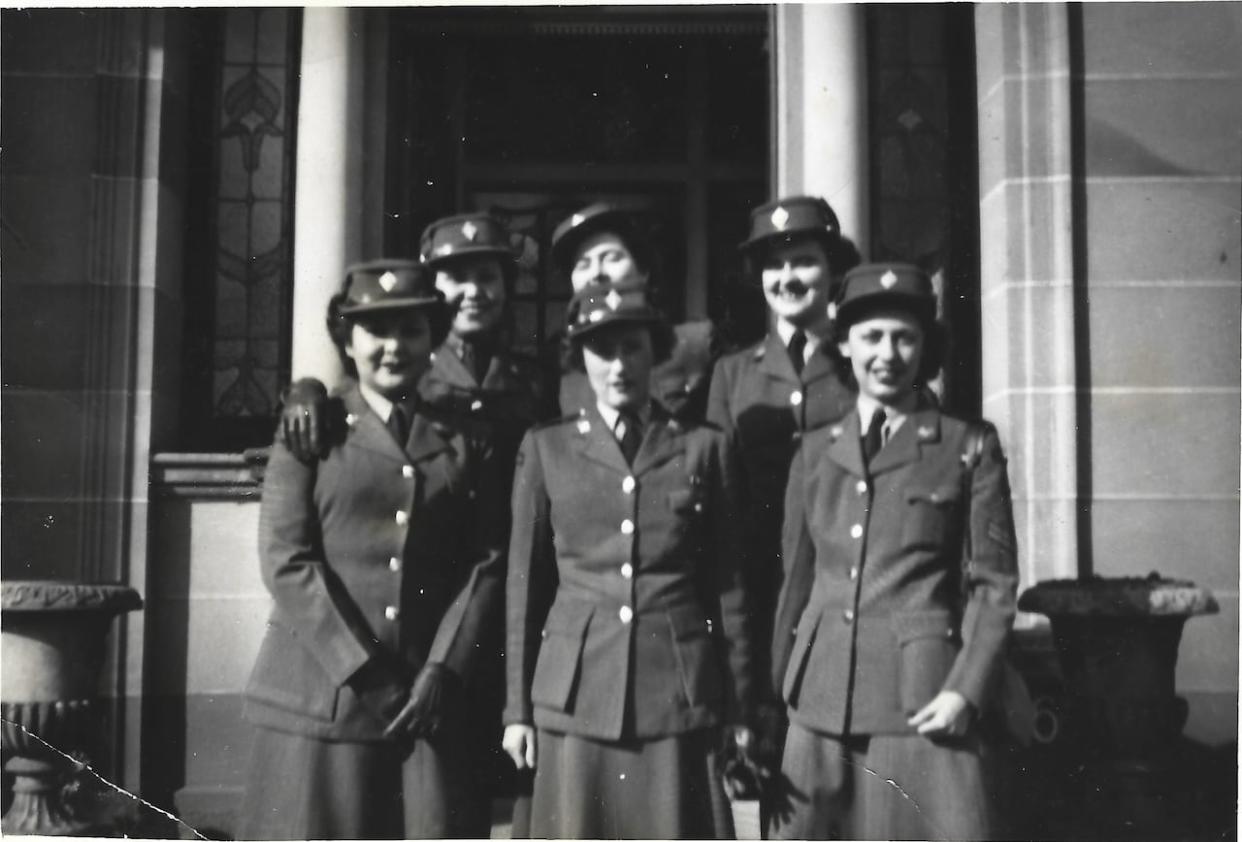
(717, 421)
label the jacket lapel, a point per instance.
(775, 362)
(366, 429)
(425, 439)
(661, 440)
(448, 367)
(920, 427)
(819, 366)
(846, 448)
(597, 443)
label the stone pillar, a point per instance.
(330, 186)
(1027, 225)
(821, 109)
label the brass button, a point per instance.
(627, 485)
(394, 564)
(627, 527)
(407, 471)
(848, 616)
(475, 406)
(402, 518)
(627, 570)
(795, 398)
(392, 612)
(856, 530)
(853, 574)
(626, 614)
(861, 488)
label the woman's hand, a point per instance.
(519, 742)
(947, 715)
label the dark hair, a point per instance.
(663, 339)
(341, 326)
(935, 341)
(638, 243)
(840, 252)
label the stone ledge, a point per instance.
(236, 476)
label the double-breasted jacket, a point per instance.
(626, 612)
(766, 407)
(375, 555)
(900, 579)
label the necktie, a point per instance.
(398, 424)
(797, 350)
(476, 359)
(629, 435)
(873, 441)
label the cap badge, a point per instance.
(576, 220)
(612, 300)
(387, 281)
(888, 279)
(469, 231)
(780, 216)
(446, 248)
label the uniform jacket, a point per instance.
(624, 587)
(372, 554)
(514, 395)
(898, 585)
(762, 403)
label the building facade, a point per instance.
(181, 189)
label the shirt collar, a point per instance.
(893, 417)
(611, 415)
(379, 404)
(786, 331)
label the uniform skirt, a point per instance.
(666, 788)
(303, 788)
(883, 787)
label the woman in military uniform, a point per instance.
(606, 243)
(900, 580)
(384, 564)
(768, 395)
(627, 642)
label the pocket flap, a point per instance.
(912, 625)
(936, 496)
(568, 619)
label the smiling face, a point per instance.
(391, 351)
(885, 351)
(618, 361)
(604, 258)
(797, 282)
(474, 287)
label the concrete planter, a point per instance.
(1117, 642)
(53, 637)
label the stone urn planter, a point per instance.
(53, 637)
(1117, 642)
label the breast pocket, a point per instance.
(698, 660)
(930, 516)
(928, 642)
(560, 657)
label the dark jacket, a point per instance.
(624, 586)
(374, 556)
(765, 407)
(898, 585)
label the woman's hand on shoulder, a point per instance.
(947, 715)
(519, 742)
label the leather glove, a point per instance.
(303, 419)
(382, 686)
(423, 714)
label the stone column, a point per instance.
(1027, 273)
(821, 109)
(329, 190)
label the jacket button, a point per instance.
(861, 488)
(627, 570)
(626, 613)
(394, 564)
(627, 485)
(853, 574)
(796, 436)
(475, 406)
(407, 471)
(856, 530)
(392, 612)
(698, 507)
(848, 616)
(795, 399)
(402, 518)
(627, 527)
